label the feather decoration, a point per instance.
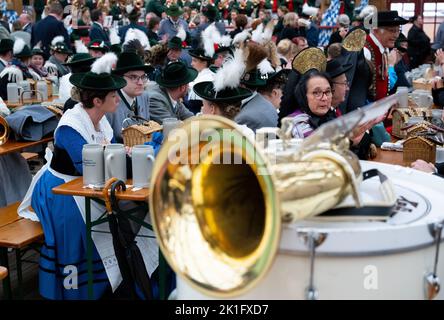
(256, 53)
(19, 44)
(181, 33)
(268, 31)
(104, 64)
(38, 45)
(14, 74)
(129, 8)
(80, 47)
(265, 67)
(225, 41)
(228, 76)
(136, 34)
(241, 37)
(113, 36)
(57, 39)
(256, 35)
(210, 36)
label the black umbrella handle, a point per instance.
(118, 185)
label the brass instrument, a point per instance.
(4, 131)
(217, 202)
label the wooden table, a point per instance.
(13, 105)
(390, 157)
(75, 188)
(13, 146)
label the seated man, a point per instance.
(171, 88)
(134, 101)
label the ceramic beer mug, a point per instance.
(422, 98)
(115, 161)
(169, 124)
(403, 100)
(93, 166)
(142, 160)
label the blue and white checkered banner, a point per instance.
(361, 6)
(329, 19)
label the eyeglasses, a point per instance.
(345, 83)
(320, 94)
(135, 79)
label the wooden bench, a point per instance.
(29, 155)
(16, 233)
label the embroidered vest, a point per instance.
(380, 83)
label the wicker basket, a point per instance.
(415, 148)
(422, 84)
(139, 133)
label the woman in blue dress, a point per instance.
(63, 268)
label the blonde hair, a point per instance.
(270, 46)
(284, 47)
(290, 19)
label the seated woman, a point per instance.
(38, 61)
(313, 96)
(63, 257)
(438, 84)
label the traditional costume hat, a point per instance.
(20, 49)
(37, 50)
(129, 61)
(100, 77)
(355, 39)
(136, 34)
(390, 19)
(336, 68)
(114, 39)
(81, 57)
(58, 45)
(401, 39)
(176, 74)
(309, 58)
(210, 12)
(225, 86)
(174, 11)
(175, 43)
(98, 45)
(6, 45)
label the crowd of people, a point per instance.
(253, 62)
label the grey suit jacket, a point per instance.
(116, 118)
(161, 106)
(257, 113)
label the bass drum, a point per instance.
(361, 259)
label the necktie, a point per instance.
(134, 107)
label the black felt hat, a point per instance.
(6, 45)
(206, 91)
(390, 19)
(129, 61)
(176, 74)
(174, 10)
(335, 68)
(98, 45)
(199, 53)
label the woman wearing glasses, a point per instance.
(134, 101)
(314, 97)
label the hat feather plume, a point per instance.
(80, 47)
(229, 75)
(225, 41)
(19, 44)
(57, 40)
(265, 67)
(136, 34)
(309, 10)
(366, 11)
(241, 37)
(210, 36)
(104, 64)
(256, 35)
(256, 53)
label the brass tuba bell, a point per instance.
(4, 131)
(217, 203)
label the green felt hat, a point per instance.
(175, 43)
(174, 10)
(254, 79)
(61, 47)
(176, 74)
(129, 61)
(94, 81)
(205, 90)
(24, 53)
(80, 59)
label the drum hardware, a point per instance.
(432, 283)
(312, 240)
(219, 224)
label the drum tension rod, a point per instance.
(432, 283)
(312, 240)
